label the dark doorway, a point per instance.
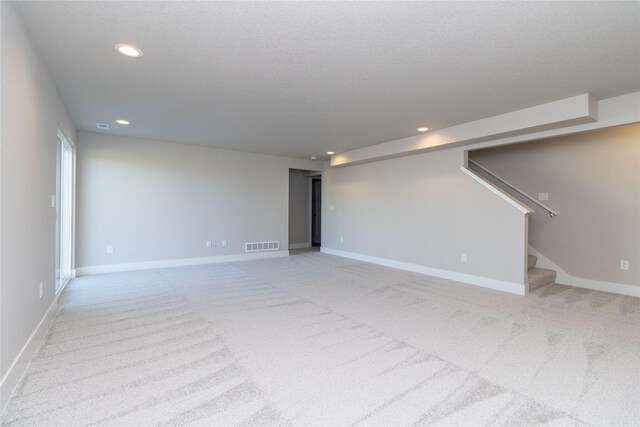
(316, 211)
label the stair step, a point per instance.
(540, 277)
(532, 261)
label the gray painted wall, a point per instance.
(299, 208)
(423, 210)
(158, 201)
(31, 113)
(593, 179)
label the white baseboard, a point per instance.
(565, 278)
(21, 362)
(299, 245)
(562, 277)
(168, 263)
(599, 285)
(514, 288)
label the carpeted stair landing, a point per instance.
(539, 276)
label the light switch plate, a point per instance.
(543, 196)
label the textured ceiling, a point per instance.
(301, 78)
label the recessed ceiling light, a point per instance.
(423, 129)
(128, 50)
(122, 122)
(313, 157)
(330, 152)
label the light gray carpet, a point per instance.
(319, 340)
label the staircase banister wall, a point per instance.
(551, 211)
(497, 191)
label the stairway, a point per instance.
(539, 276)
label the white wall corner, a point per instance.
(485, 282)
(592, 108)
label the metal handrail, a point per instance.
(552, 212)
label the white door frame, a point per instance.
(66, 202)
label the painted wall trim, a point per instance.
(599, 285)
(21, 362)
(181, 262)
(299, 245)
(499, 285)
(504, 196)
(565, 278)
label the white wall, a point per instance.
(158, 201)
(299, 209)
(32, 111)
(396, 209)
(422, 210)
(593, 179)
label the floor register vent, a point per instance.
(261, 246)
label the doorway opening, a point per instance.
(316, 211)
(63, 202)
(305, 205)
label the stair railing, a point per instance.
(552, 212)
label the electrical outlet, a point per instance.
(109, 249)
(53, 200)
(41, 289)
(543, 196)
(624, 265)
(341, 239)
(209, 243)
(463, 257)
(224, 243)
(332, 208)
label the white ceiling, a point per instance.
(301, 78)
